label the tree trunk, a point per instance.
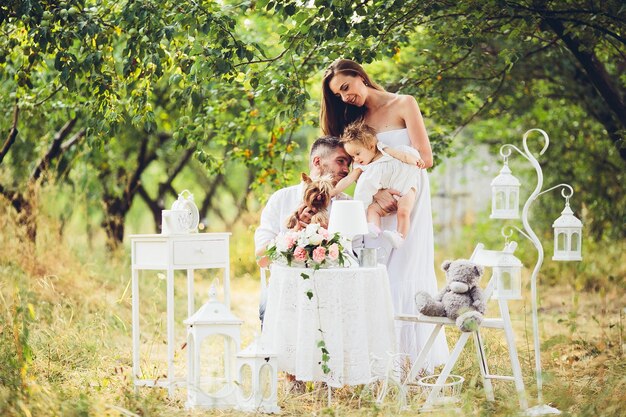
(113, 223)
(598, 76)
(117, 207)
(25, 209)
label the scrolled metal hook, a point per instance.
(545, 136)
(505, 151)
(567, 187)
(506, 235)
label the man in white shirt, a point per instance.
(327, 156)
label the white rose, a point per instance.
(303, 239)
(316, 239)
(311, 229)
(281, 243)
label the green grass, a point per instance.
(65, 338)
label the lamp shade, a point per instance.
(348, 218)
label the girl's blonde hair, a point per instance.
(360, 133)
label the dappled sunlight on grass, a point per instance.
(65, 338)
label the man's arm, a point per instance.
(269, 226)
(386, 200)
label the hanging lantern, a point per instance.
(505, 194)
(567, 236)
(213, 338)
(508, 275)
(257, 379)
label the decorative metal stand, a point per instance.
(567, 242)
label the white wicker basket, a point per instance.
(450, 389)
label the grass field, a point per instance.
(65, 339)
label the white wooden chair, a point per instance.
(487, 258)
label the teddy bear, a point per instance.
(461, 300)
(316, 199)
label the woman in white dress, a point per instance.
(349, 95)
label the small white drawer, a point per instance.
(150, 254)
(200, 252)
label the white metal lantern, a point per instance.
(213, 338)
(505, 195)
(257, 379)
(508, 277)
(567, 236)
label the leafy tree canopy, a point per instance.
(106, 88)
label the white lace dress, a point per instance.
(411, 268)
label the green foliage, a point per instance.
(148, 81)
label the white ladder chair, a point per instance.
(486, 258)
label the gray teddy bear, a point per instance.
(461, 299)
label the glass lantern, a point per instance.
(257, 379)
(567, 236)
(508, 277)
(213, 338)
(505, 195)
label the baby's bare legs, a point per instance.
(405, 206)
(374, 213)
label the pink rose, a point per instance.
(319, 254)
(300, 254)
(324, 233)
(290, 240)
(333, 252)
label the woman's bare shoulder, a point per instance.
(406, 99)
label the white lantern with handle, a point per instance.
(505, 195)
(213, 338)
(257, 379)
(567, 236)
(508, 274)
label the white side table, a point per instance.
(170, 253)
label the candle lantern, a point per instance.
(567, 236)
(257, 379)
(505, 194)
(213, 338)
(567, 242)
(508, 274)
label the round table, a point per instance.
(350, 309)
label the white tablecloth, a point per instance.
(352, 307)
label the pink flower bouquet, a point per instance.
(313, 247)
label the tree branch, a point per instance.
(54, 150)
(12, 133)
(597, 74)
(208, 198)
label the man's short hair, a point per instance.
(324, 146)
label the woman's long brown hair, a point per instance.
(335, 115)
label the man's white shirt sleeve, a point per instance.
(280, 205)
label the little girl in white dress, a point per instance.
(376, 167)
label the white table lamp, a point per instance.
(348, 218)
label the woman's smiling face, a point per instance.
(350, 89)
